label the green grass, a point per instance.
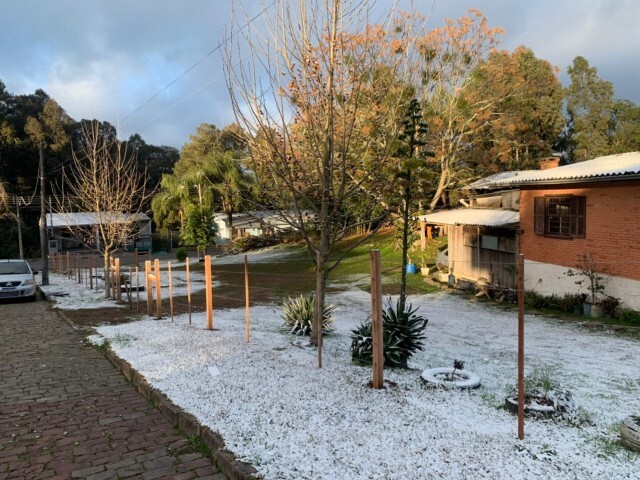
(295, 274)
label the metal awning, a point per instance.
(482, 217)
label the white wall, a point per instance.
(548, 279)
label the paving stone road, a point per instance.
(66, 413)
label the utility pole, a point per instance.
(19, 228)
(44, 243)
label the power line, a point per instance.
(213, 50)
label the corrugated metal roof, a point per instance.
(488, 182)
(482, 217)
(598, 169)
(80, 219)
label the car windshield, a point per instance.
(12, 268)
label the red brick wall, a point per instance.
(612, 228)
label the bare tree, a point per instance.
(104, 182)
(318, 87)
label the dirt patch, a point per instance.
(101, 316)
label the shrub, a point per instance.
(181, 254)
(533, 299)
(571, 302)
(629, 316)
(298, 312)
(252, 242)
(610, 305)
(403, 335)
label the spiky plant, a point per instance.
(298, 312)
(403, 335)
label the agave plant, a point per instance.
(298, 312)
(403, 335)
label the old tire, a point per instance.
(432, 376)
(630, 433)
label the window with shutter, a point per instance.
(560, 216)
(538, 208)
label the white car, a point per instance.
(16, 280)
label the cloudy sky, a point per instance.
(105, 59)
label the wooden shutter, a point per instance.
(578, 216)
(538, 215)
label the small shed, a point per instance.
(483, 243)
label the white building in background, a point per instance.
(254, 223)
(66, 230)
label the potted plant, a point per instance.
(411, 267)
(590, 274)
(424, 268)
(443, 272)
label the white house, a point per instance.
(255, 223)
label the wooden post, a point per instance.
(209, 293)
(520, 346)
(376, 312)
(170, 291)
(117, 283)
(91, 272)
(78, 279)
(137, 289)
(135, 254)
(129, 290)
(188, 289)
(423, 236)
(246, 298)
(68, 267)
(156, 274)
(147, 276)
(318, 313)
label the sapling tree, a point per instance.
(319, 95)
(104, 181)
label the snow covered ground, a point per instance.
(278, 411)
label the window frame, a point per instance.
(566, 225)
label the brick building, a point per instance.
(590, 207)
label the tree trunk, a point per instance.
(405, 241)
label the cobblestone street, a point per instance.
(65, 412)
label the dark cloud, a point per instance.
(103, 59)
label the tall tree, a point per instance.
(411, 167)
(105, 181)
(589, 106)
(624, 133)
(302, 98)
(527, 116)
(444, 62)
(170, 203)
